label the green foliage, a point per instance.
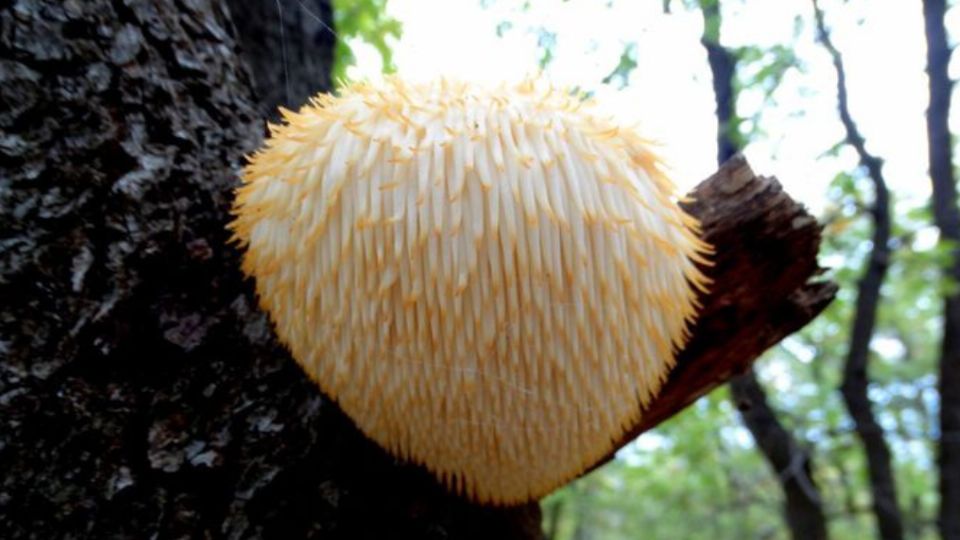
(904, 351)
(693, 478)
(546, 38)
(711, 20)
(626, 64)
(761, 70)
(764, 68)
(368, 21)
(546, 41)
(580, 93)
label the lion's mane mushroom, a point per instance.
(491, 282)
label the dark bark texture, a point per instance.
(288, 46)
(722, 66)
(803, 506)
(142, 393)
(947, 217)
(856, 379)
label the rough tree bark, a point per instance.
(142, 394)
(288, 46)
(855, 374)
(947, 217)
(803, 507)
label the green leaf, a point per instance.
(625, 65)
(546, 41)
(368, 21)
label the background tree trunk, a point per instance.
(803, 504)
(856, 381)
(947, 217)
(142, 393)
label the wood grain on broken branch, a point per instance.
(764, 285)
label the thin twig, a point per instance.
(855, 378)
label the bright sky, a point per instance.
(670, 92)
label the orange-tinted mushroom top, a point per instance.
(490, 281)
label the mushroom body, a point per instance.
(491, 282)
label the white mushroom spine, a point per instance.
(490, 281)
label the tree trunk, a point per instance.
(288, 46)
(142, 392)
(803, 507)
(855, 386)
(947, 217)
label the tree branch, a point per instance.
(766, 255)
(855, 376)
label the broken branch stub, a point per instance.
(763, 284)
